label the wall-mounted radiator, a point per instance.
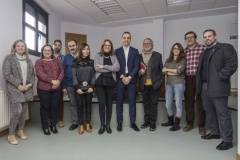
(5, 110)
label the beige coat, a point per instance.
(13, 75)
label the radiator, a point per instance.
(5, 110)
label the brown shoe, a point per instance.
(60, 124)
(81, 129)
(88, 128)
(187, 128)
(202, 131)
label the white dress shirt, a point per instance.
(126, 52)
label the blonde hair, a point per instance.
(13, 50)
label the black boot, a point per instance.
(170, 122)
(176, 125)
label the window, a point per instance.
(35, 27)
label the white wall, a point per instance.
(95, 35)
(175, 30)
(238, 86)
(11, 29)
(153, 30)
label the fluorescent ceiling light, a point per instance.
(177, 2)
(108, 6)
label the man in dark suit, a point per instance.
(128, 58)
(216, 65)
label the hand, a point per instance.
(55, 82)
(142, 71)
(90, 90)
(28, 86)
(114, 64)
(54, 87)
(64, 90)
(21, 88)
(126, 80)
(79, 91)
(99, 66)
(164, 69)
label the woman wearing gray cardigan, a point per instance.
(106, 66)
(19, 75)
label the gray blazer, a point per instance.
(222, 63)
(13, 75)
(106, 68)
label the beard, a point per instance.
(57, 50)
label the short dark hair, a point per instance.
(190, 32)
(57, 40)
(126, 32)
(210, 30)
(72, 40)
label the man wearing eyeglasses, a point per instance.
(128, 58)
(192, 52)
(151, 79)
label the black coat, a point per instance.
(156, 71)
(222, 63)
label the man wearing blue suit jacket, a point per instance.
(128, 58)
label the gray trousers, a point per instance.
(18, 117)
(73, 104)
(219, 115)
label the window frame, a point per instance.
(38, 10)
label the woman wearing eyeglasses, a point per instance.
(84, 81)
(50, 73)
(106, 66)
(174, 69)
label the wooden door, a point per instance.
(80, 38)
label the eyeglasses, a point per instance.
(47, 50)
(176, 49)
(188, 38)
(147, 43)
(107, 45)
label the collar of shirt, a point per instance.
(73, 55)
(193, 47)
(212, 45)
(126, 49)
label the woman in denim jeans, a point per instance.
(174, 69)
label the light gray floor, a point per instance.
(127, 145)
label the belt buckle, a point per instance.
(84, 83)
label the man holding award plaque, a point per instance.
(151, 79)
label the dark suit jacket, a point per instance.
(132, 63)
(222, 63)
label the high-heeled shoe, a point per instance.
(23, 136)
(15, 142)
(108, 129)
(101, 130)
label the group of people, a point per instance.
(198, 71)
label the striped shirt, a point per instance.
(192, 56)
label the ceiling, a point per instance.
(136, 11)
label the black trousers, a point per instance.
(150, 100)
(84, 101)
(105, 96)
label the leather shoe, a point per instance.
(202, 131)
(54, 130)
(119, 127)
(134, 127)
(224, 145)
(73, 126)
(108, 129)
(209, 136)
(101, 130)
(46, 131)
(187, 128)
(81, 129)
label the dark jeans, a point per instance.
(218, 114)
(105, 97)
(190, 92)
(49, 100)
(150, 101)
(84, 100)
(60, 108)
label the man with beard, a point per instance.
(57, 45)
(216, 65)
(67, 83)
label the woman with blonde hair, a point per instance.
(19, 74)
(106, 65)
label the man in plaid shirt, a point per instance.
(192, 52)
